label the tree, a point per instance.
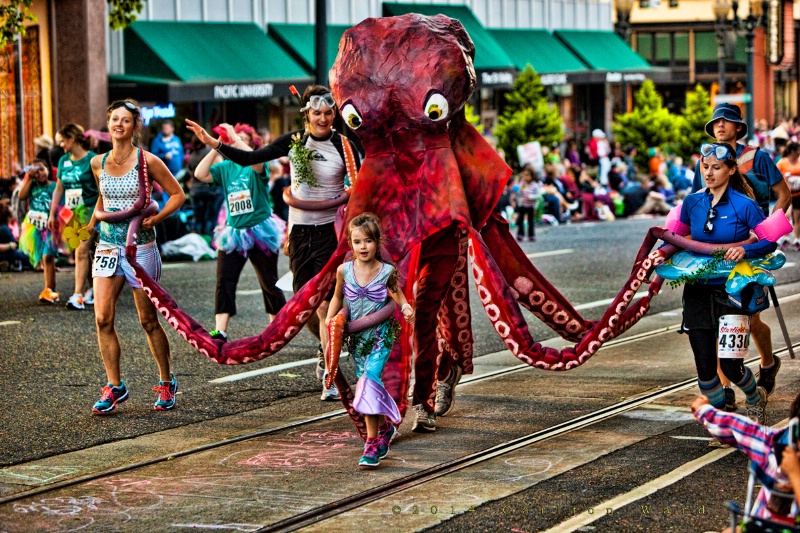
(649, 125)
(527, 116)
(16, 13)
(692, 123)
(469, 114)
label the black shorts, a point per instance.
(703, 305)
(796, 202)
(310, 248)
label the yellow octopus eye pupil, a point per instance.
(354, 121)
(436, 107)
(434, 112)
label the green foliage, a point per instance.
(469, 114)
(649, 125)
(527, 116)
(702, 273)
(15, 13)
(12, 19)
(692, 123)
(122, 13)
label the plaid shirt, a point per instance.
(755, 440)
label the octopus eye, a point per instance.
(351, 116)
(436, 107)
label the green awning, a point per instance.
(603, 50)
(538, 48)
(299, 40)
(207, 61)
(491, 60)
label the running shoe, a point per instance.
(425, 421)
(216, 334)
(110, 397)
(48, 296)
(446, 392)
(766, 376)
(329, 394)
(166, 394)
(371, 457)
(88, 297)
(76, 303)
(320, 363)
(758, 412)
(385, 439)
(730, 400)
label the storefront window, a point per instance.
(681, 49)
(644, 45)
(663, 55)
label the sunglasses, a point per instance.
(720, 151)
(316, 101)
(708, 227)
(127, 105)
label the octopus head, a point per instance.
(408, 72)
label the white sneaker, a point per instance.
(329, 395)
(88, 297)
(76, 302)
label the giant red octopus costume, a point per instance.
(401, 84)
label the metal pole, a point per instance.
(321, 46)
(781, 321)
(750, 36)
(19, 95)
(721, 52)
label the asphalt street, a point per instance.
(50, 374)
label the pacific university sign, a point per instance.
(243, 91)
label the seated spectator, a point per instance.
(635, 195)
(659, 198)
(617, 178)
(10, 256)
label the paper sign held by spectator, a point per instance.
(531, 153)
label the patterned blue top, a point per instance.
(358, 297)
(120, 193)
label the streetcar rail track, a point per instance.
(354, 501)
(419, 478)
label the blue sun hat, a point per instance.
(729, 112)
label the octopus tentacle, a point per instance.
(499, 301)
(530, 288)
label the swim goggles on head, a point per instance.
(317, 100)
(720, 151)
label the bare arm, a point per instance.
(405, 307)
(203, 170)
(161, 175)
(55, 202)
(25, 190)
(784, 196)
(338, 296)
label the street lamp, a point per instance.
(623, 28)
(754, 20)
(721, 10)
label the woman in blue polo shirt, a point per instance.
(249, 232)
(724, 212)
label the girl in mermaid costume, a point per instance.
(363, 287)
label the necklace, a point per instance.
(119, 163)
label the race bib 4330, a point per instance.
(734, 336)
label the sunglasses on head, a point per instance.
(720, 151)
(127, 105)
(316, 101)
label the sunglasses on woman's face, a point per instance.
(719, 151)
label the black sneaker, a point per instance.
(446, 392)
(766, 376)
(730, 400)
(219, 335)
(425, 421)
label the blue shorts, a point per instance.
(146, 255)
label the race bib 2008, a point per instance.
(240, 203)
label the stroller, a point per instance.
(751, 524)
